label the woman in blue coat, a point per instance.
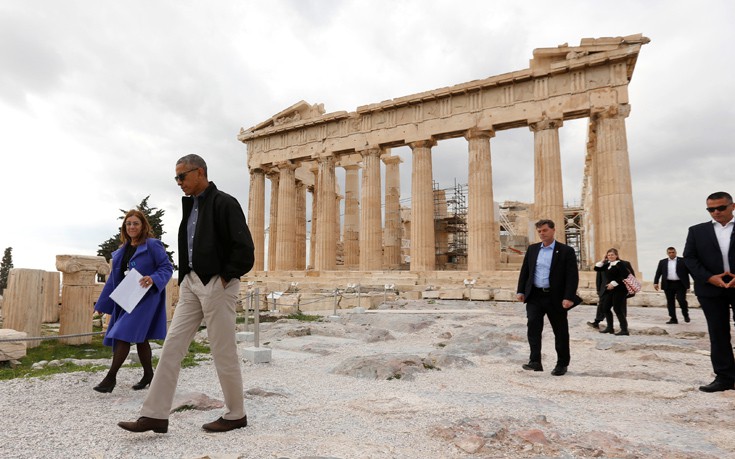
(142, 251)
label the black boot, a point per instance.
(119, 354)
(145, 356)
(105, 386)
(607, 330)
(143, 383)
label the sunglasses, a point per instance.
(721, 208)
(182, 176)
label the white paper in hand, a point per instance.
(129, 293)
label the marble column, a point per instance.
(314, 189)
(286, 232)
(351, 230)
(371, 225)
(24, 303)
(51, 285)
(300, 225)
(256, 215)
(615, 216)
(326, 244)
(423, 250)
(273, 176)
(548, 194)
(392, 230)
(337, 218)
(78, 293)
(482, 252)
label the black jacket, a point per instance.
(703, 258)
(662, 272)
(563, 275)
(222, 242)
(607, 274)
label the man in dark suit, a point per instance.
(710, 255)
(674, 277)
(548, 285)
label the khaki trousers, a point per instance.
(216, 305)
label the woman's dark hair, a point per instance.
(145, 231)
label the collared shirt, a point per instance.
(724, 233)
(671, 274)
(543, 266)
(191, 226)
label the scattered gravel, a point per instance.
(633, 396)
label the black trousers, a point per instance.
(717, 312)
(616, 300)
(539, 305)
(675, 291)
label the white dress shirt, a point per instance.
(671, 274)
(724, 233)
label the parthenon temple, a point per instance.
(364, 228)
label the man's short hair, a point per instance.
(670, 248)
(547, 222)
(719, 195)
(193, 160)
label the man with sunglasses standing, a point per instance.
(215, 249)
(710, 255)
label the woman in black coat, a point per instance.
(613, 293)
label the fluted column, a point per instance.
(78, 293)
(300, 225)
(314, 202)
(482, 252)
(286, 235)
(273, 176)
(256, 215)
(351, 230)
(326, 245)
(616, 216)
(392, 230)
(548, 194)
(338, 230)
(371, 227)
(423, 250)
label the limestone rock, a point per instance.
(12, 350)
(470, 443)
(655, 331)
(259, 392)
(385, 366)
(379, 334)
(195, 401)
(534, 436)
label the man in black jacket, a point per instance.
(548, 285)
(709, 254)
(674, 277)
(215, 249)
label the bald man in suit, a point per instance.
(710, 257)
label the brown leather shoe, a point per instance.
(225, 425)
(144, 424)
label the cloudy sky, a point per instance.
(99, 98)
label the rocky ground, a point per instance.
(412, 380)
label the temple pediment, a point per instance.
(299, 111)
(590, 49)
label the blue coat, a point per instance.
(148, 319)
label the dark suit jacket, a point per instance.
(563, 275)
(703, 258)
(605, 275)
(662, 272)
